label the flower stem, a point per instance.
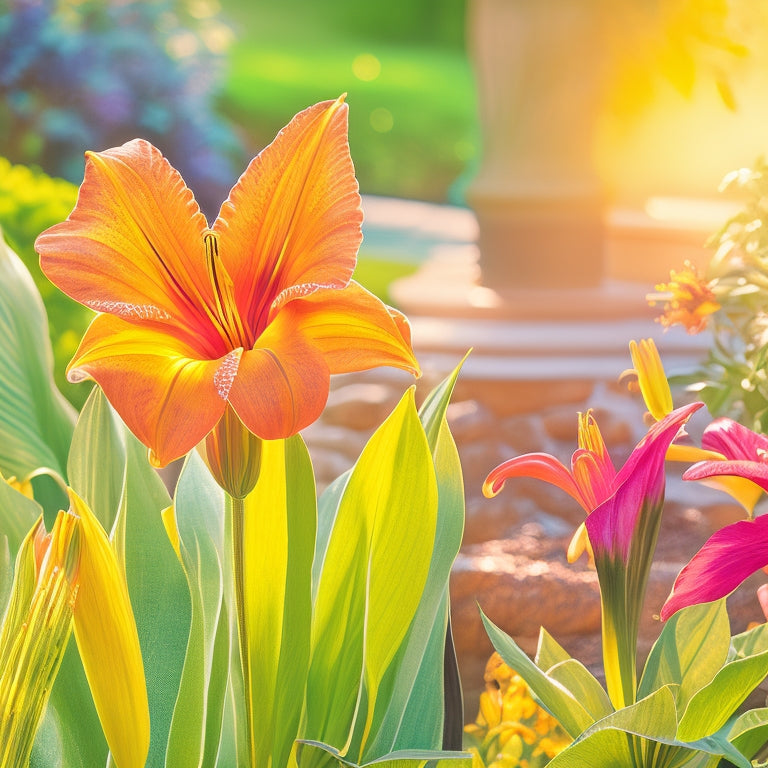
(236, 510)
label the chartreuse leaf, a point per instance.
(563, 705)
(405, 758)
(198, 519)
(642, 736)
(36, 422)
(690, 650)
(582, 684)
(749, 643)
(96, 464)
(412, 706)
(711, 707)
(556, 662)
(549, 652)
(606, 743)
(279, 534)
(373, 575)
(750, 731)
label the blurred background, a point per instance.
(661, 99)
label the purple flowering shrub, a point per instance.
(94, 74)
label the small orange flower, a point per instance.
(252, 313)
(688, 299)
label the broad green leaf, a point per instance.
(70, 735)
(690, 650)
(96, 464)
(711, 707)
(577, 679)
(411, 710)
(405, 758)
(553, 695)
(36, 422)
(18, 514)
(750, 731)
(199, 518)
(373, 575)
(653, 717)
(642, 735)
(549, 652)
(279, 534)
(749, 643)
(158, 589)
(327, 508)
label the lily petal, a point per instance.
(541, 466)
(728, 557)
(756, 471)
(734, 440)
(651, 378)
(133, 245)
(352, 329)
(281, 386)
(294, 217)
(108, 643)
(640, 481)
(168, 397)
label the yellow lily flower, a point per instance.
(69, 578)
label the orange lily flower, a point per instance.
(252, 314)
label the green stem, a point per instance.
(236, 509)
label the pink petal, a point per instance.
(733, 440)
(756, 471)
(729, 556)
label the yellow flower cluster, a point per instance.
(511, 730)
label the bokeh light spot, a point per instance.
(381, 120)
(366, 67)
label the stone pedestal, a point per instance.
(537, 197)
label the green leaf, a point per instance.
(749, 643)
(70, 735)
(549, 652)
(158, 589)
(711, 707)
(414, 700)
(405, 758)
(96, 464)
(563, 705)
(692, 647)
(280, 524)
(749, 732)
(577, 679)
(36, 422)
(373, 576)
(18, 514)
(196, 723)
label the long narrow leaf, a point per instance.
(280, 523)
(36, 422)
(199, 518)
(373, 575)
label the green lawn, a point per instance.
(413, 129)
